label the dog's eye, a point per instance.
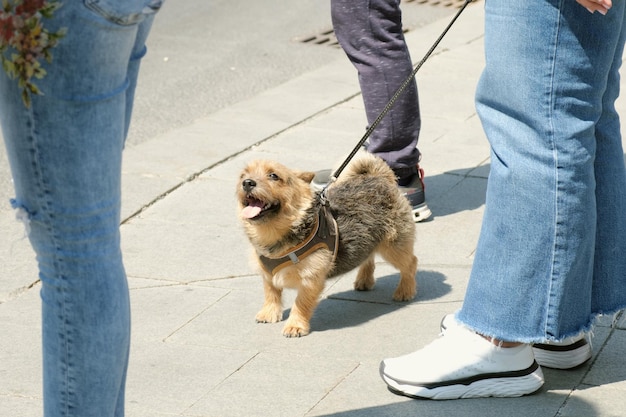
(272, 176)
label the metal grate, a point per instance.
(327, 36)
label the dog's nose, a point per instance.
(248, 184)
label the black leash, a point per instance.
(393, 100)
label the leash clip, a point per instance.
(323, 197)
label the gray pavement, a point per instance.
(196, 349)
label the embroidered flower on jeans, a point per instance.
(24, 41)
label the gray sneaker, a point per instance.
(321, 179)
(414, 192)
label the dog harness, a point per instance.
(324, 235)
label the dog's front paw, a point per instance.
(295, 329)
(269, 315)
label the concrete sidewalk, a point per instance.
(196, 349)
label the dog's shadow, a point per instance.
(351, 308)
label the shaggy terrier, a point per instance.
(302, 238)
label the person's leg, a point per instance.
(609, 274)
(540, 99)
(65, 153)
(370, 33)
(543, 106)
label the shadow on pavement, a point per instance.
(352, 308)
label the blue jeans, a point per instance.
(370, 33)
(65, 151)
(552, 250)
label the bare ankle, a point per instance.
(501, 343)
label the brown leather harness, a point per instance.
(324, 235)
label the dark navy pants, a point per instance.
(370, 33)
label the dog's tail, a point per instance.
(367, 164)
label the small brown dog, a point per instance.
(297, 245)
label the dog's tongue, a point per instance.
(252, 210)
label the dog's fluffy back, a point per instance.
(365, 163)
(369, 208)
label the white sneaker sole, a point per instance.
(562, 357)
(421, 212)
(506, 384)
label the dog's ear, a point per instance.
(306, 176)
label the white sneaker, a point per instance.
(567, 354)
(462, 364)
